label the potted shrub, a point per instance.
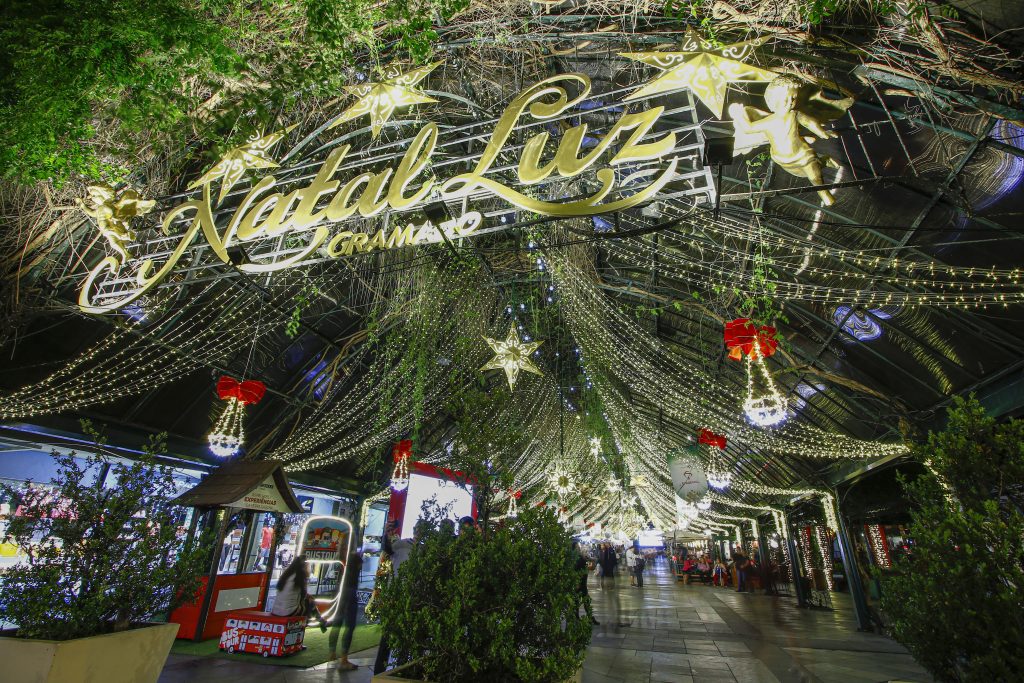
(955, 600)
(100, 563)
(500, 604)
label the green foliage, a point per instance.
(411, 23)
(956, 604)
(757, 167)
(694, 11)
(302, 301)
(471, 408)
(817, 11)
(500, 605)
(99, 559)
(68, 63)
(760, 304)
(86, 86)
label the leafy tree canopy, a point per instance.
(89, 86)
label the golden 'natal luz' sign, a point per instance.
(309, 211)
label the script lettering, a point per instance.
(304, 213)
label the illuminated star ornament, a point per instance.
(702, 67)
(512, 355)
(237, 161)
(379, 99)
(561, 482)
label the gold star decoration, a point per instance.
(703, 68)
(380, 98)
(512, 355)
(640, 481)
(237, 161)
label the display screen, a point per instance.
(325, 539)
(458, 499)
(651, 540)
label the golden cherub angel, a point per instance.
(791, 110)
(113, 214)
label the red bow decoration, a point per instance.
(250, 391)
(518, 494)
(591, 525)
(710, 438)
(741, 335)
(403, 449)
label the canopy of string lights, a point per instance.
(574, 239)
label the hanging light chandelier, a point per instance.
(400, 475)
(513, 505)
(228, 433)
(719, 479)
(718, 476)
(764, 405)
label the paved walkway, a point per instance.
(691, 634)
(677, 634)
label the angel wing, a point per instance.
(746, 140)
(131, 204)
(823, 109)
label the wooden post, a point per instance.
(211, 578)
(272, 559)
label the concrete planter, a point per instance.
(394, 675)
(135, 656)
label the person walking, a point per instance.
(348, 610)
(293, 598)
(582, 566)
(741, 563)
(630, 565)
(609, 560)
(397, 549)
(266, 540)
(639, 562)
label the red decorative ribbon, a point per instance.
(710, 438)
(249, 391)
(403, 449)
(741, 335)
(517, 494)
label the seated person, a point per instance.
(704, 568)
(293, 598)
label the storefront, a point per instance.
(249, 539)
